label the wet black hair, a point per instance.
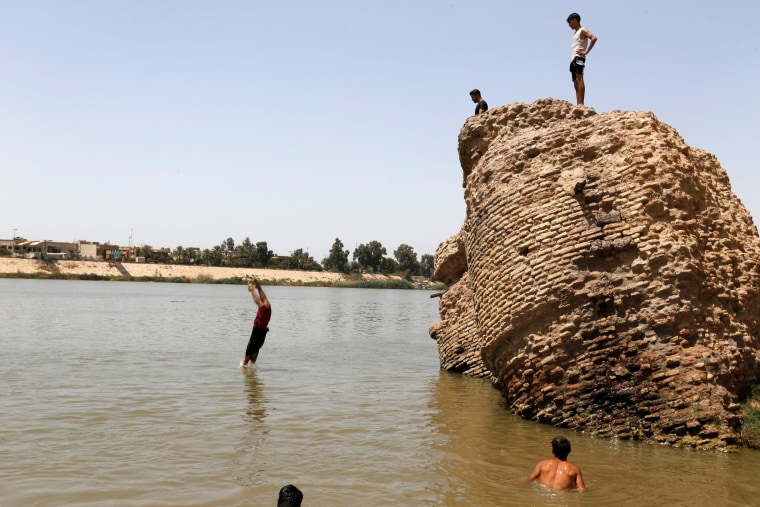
(574, 15)
(290, 496)
(561, 447)
(475, 91)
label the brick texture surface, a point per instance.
(606, 277)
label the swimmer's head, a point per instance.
(561, 447)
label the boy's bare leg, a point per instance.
(580, 89)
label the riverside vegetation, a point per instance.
(367, 257)
(402, 271)
(751, 415)
(352, 281)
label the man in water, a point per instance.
(579, 48)
(290, 496)
(558, 473)
(481, 106)
(260, 323)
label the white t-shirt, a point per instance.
(577, 44)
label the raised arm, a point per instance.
(261, 298)
(255, 296)
(592, 41)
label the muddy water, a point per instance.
(131, 394)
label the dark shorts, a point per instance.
(577, 66)
(257, 340)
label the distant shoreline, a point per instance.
(116, 271)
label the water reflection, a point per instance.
(251, 461)
(256, 410)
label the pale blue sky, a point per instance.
(296, 122)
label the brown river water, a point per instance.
(131, 394)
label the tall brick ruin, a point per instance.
(606, 278)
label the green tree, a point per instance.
(388, 266)
(182, 255)
(214, 257)
(178, 255)
(228, 247)
(407, 259)
(263, 253)
(302, 260)
(245, 254)
(204, 257)
(194, 255)
(338, 258)
(427, 265)
(145, 251)
(370, 255)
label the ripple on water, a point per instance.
(117, 394)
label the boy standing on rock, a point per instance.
(558, 473)
(579, 48)
(260, 323)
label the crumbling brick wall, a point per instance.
(612, 275)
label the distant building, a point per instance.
(87, 250)
(43, 249)
(106, 252)
(11, 245)
(162, 254)
(7, 246)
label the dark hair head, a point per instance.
(561, 447)
(290, 496)
(574, 15)
(475, 91)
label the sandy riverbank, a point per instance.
(116, 270)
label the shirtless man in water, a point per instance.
(558, 473)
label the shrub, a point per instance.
(377, 284)
(751, 415)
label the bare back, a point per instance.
(559, 475)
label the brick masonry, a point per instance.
(606, 278)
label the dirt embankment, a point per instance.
(117, 269)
